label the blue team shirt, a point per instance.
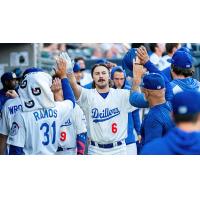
(176, 142)
(156, 123)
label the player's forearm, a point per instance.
(67, 91)
(75, 87)
(3, 139)
(137, 99)
(58, 96)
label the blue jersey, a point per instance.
(167, 73)
(133, 123)
(156, 123)
(176, 142)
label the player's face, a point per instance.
(11, 84)
(82, 64)
(101, 77)
(118, 79)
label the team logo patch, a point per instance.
(29, 104)
(14, 129)
(182, 109)
(23, 84)
(36, 91)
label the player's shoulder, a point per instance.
(77, 108)
(12, 102)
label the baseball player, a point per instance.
(11, 107)
(36, 129)
(181, 70)
(118, 76)
(73, 132)
(158, 120)
(106, 110)
(9, 83)
(184, 139)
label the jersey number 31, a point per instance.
(49, 132)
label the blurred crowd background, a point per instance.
(17, 57)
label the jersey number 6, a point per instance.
(114, 127)
(46, 128)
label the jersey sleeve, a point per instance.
(4, 129)
(83, 99)
(17, 134)
(80, 120)
(125, 100)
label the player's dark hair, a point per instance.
(153, 46)
(193, 118)
(180, 71)
(169, 47)
(79, 58)
(98, 65)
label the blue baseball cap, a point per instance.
(181, 59)
(117, 68)
(18, 72)
(153, 81)
(76, 67)
(101, 61)
(127, 61)
(8, 76)
(186, 102)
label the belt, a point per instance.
(106, 146)
(63, 149)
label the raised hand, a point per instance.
(138, 72)
(11, 93)
(142, 55)
(61, 68)
(56, 85)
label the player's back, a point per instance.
(37, 131)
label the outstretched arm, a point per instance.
(144, 58)
(61, 73)
(136, 97)
(75, 87)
